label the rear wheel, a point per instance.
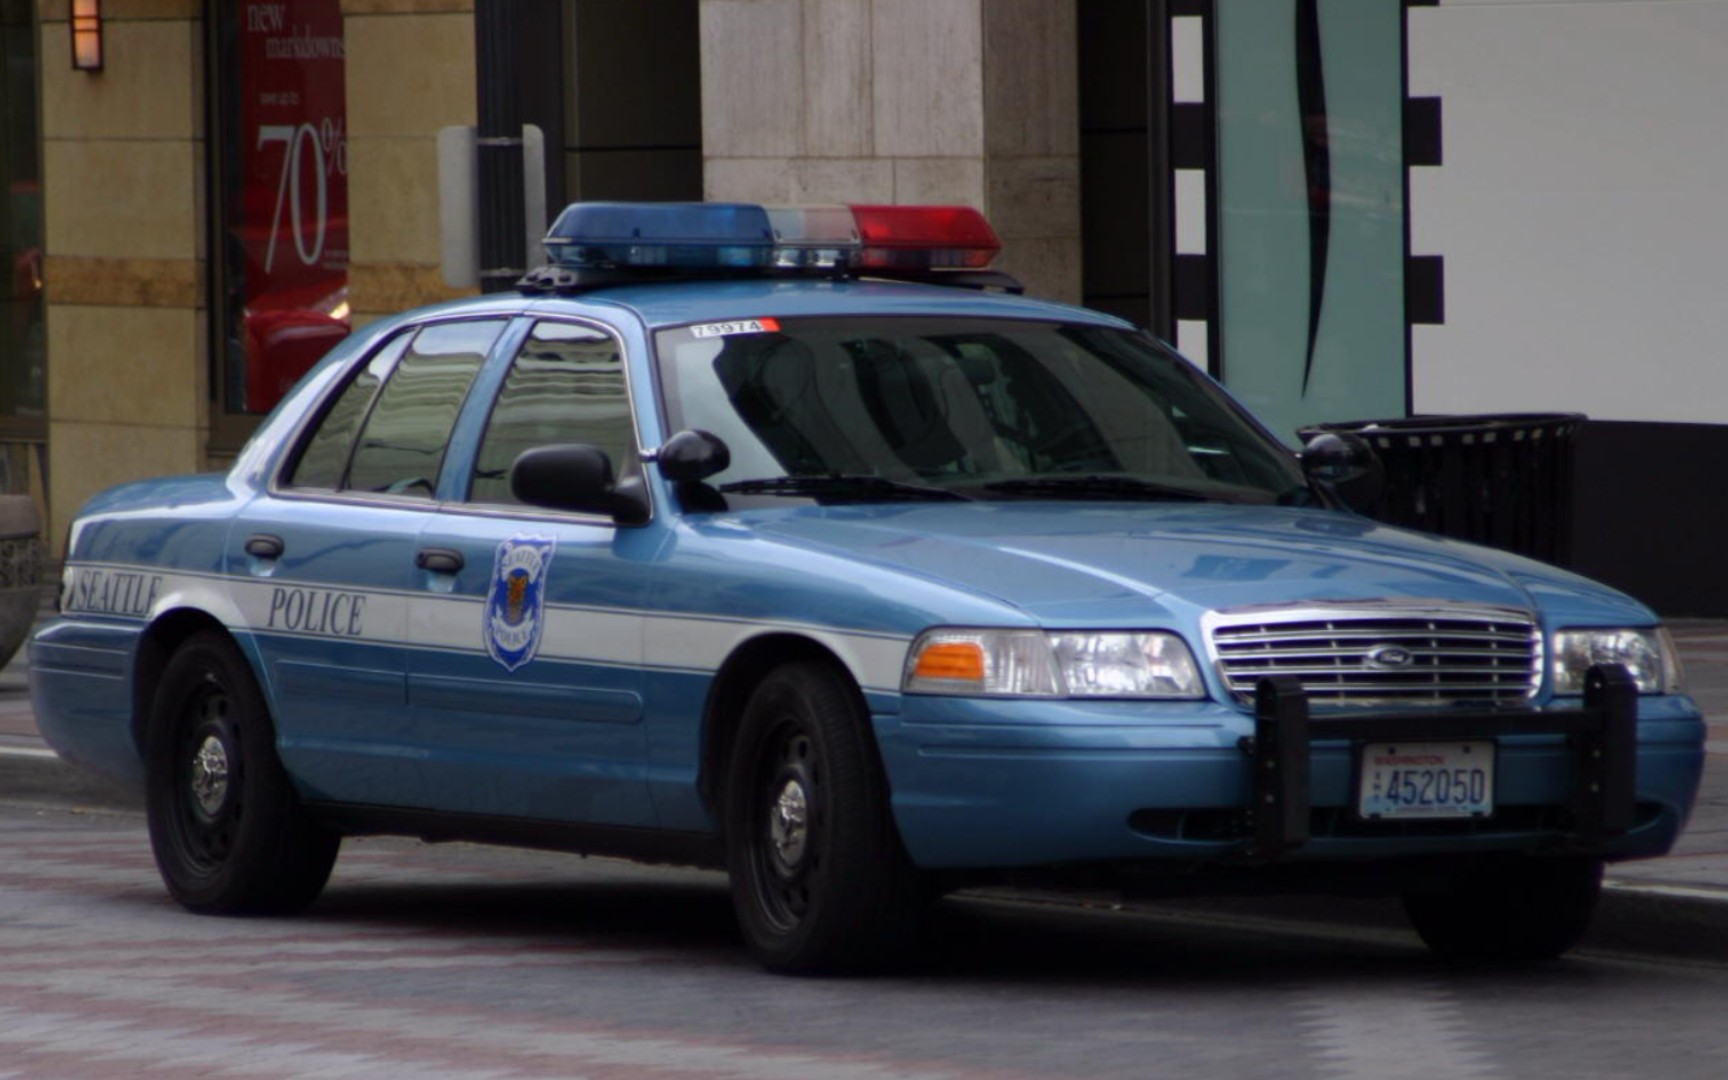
(1511, 912)
(820, 880)
(229, 834)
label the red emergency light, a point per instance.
(924, 238)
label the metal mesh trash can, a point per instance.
(1502, 480)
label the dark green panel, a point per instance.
(1115, 193)
(655, 175)
(638, 75)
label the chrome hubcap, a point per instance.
(788, 824)
(210, 775)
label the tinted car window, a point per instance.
(401, 446)
(966, 405)
(565, 386)
(325, 459)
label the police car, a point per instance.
(795, 542)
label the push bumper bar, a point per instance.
(1602, 737)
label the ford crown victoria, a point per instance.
(796, 542)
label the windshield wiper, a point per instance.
(1094, 486)
(845, 487)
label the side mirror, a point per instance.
(1346, 466)
(576, 477)
(693, 456)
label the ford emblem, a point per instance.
(1390, 657)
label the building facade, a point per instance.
(1346, 209)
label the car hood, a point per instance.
(1113, 564)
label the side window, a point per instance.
(402, 445)
(565, 386)
(325, 459)
(388, 428)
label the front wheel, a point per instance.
(819, 878)
(1510, 912)
(229, 833)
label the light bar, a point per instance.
(745, 236)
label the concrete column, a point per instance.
(411, 71)
(903, 101)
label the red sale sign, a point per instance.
(290, 221)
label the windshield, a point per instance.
(862, 409)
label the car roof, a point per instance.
(670, 304)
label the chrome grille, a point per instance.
(1442, 656)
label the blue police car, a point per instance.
(791, 541)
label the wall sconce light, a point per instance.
(86, 35)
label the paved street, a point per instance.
(464, 962)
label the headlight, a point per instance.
(1648, 654)
(1032, 663)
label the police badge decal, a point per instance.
(516, 604)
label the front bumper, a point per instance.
(1000, 784)
(1601, 740)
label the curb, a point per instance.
(1634, 921)
(34, 776)
(1675, 923)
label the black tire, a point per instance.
(820, 880)
(1511, 912)
(229, 833)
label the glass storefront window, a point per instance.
(1311, 216)
(22, 345)
(281, 162)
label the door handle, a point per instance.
(439, 560)
(264, 546)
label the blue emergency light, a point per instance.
(606, 235)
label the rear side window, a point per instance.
(565, 386)
(325, 459)
(387, 430)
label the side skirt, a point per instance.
(703, 850)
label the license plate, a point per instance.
(1427, 780)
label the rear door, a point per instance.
(322, 565)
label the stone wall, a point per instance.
(410, 73)
(127, 228)
(123, 186)
(903, 101)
